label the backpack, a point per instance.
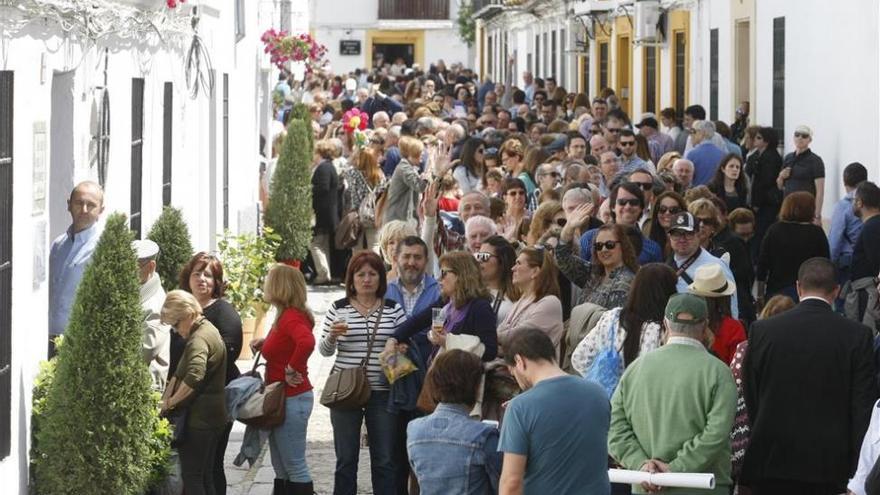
(367, 209)
(607, 368)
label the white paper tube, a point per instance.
(704, 481)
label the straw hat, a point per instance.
(710, 281)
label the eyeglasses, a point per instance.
(516, 192)
(444, 273)
(552, 174)
(609, 245)
(613, 131)
(801, 135)
(627, 143)
(646, 186)
(483, 256)
(631, 202)
(672, 210)
(708, 221)
(561, 221)
(682, 233)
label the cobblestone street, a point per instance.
(257, 480)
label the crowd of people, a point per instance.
(578, 290)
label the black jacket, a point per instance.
(763, 168)
(809, 388)
(743, 271)
(325, 198)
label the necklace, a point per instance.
(363, 309)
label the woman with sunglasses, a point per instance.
(466, 308)
(666, 206)
(606, 280)
(516, 216)
(535, 276)
(470, 171)
(763, 167)
(496, 258)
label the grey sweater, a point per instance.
(403, 192)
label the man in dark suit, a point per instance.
(809, 388)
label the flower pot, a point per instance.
(294, 263)
(251, 328)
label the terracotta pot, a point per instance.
(294, 263)
(251, 328)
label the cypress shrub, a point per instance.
(290, 212)
(175, 248)
(97, 430)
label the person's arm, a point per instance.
(486, 325)
(699, 453)
(820, 198)
(411, 177)
(864, 393)
(415, 324)
(304, 344)
(230, 329)
(575, 269)
(513, 473)
(623, 445)
(156, 337)
(869, 454)
(839, 228)
(327, 345)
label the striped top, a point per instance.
(351, 348)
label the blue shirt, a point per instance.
(633, 164)
(392, 158)
(706, 258)
(651, 251)
(561, 426)
(845, 230)
(706, 157)
(451, 453)
(70, 255)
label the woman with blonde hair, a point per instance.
(361, 183)
(548, 215)
(390, 234)
(287, 349)
(666, 160)
(196, 392)
(405, 185)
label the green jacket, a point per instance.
(203, 368)
(675, 404)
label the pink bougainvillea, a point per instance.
(172, 4)
(283, 47)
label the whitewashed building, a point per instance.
(419, 31)
(112, 100)
(812, 62)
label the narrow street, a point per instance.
(257, 480)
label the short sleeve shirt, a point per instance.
(805, 169)
(561, 426)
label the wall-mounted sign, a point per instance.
(349, 47)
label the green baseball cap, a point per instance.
(679, 304)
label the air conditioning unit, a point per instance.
(647, 20)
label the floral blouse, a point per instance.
(599, 338)
(356, 187)
(608, 294)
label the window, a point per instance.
(546, 55)
(505, 67)
(240, 26)
(651, 79)
(680, 57)
(167, 122)
(585, 73)
(603, 67)
(537, 55)
(529, 63)
(553, 54)
(137, 153)
(491, 61)
(225, 150)
(6, 122)
(779, 75)
(563, 42)
(713, 74)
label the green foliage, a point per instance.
(467, 26)
(175, 248)
(289, 212)
(99, 419)
(246, 261)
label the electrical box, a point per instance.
(647, 19)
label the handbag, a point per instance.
(367, 209)
(265, 407)
(349, 388)
(349, 231)
(607, 368)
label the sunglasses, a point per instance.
(627, 143)
(672, 210)
(801, 135)
(708, 221)
(646, 186)
(516, 192)
(631, 202)
(682, 233)
(552, 174)
(483, 256)
(561, 221)
(444, 273)
(613, 131)
(609, 245)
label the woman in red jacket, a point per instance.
(287, 349)
(727, 332)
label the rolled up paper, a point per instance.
(703, 481)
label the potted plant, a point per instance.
(283, 47)
(246, 261)
(289, 211)
(175, 248)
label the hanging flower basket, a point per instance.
(172, 4)
(283, 48)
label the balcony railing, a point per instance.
(414, 9)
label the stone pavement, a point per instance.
(257, 480)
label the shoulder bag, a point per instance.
(607, 368)
(349, 388)
(265, 407)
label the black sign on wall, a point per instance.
(349, 47)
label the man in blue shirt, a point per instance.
(71, 253)
(705, 155)
(845, 225)
(555, 434)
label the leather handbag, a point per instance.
(264, 408)
(349, 231)
(349, 388)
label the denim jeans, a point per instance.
(381, 429)
(287, 442)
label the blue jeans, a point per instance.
(381, 430)
(287, 442)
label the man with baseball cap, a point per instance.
(698, 395)
(687, 255)
(156, 341)
(658, 142)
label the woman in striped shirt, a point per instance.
(347, 331)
